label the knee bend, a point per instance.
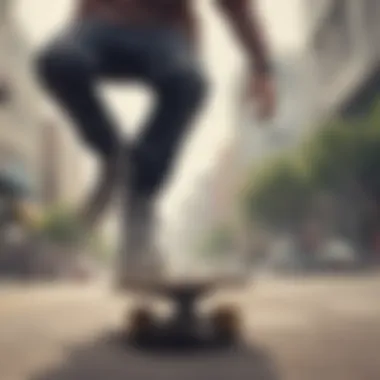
(188, 85)
(58, 64)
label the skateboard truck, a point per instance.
(186, 326)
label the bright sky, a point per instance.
(42, 18)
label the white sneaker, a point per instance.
(140, 259)
(144, 248)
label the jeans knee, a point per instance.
(189, 85)
(59, 65)
(197, 84)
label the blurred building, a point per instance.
(66, 166)
(38, 152)
(259, 140)
(213, 199)
(197, 216)
(225, 185)
(345, 53)
(200, 210)
(19, 108)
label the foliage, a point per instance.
(218, 242)
(101, 248)
(279, 193)
(347, 153)
(61, 226)
(28, 215)
(341, 155)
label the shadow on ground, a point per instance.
(109, 358)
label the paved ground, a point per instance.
(296, 330)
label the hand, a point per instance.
(264, 93)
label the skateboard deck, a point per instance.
(175, 287)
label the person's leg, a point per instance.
(176, 77)
(69, 68)
(180, 88)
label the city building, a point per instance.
(257, 140)
(19, 108)
(344, 53)
(66, 168)
(225, 186)
(37, 151)
(200, 210)
(196, 217)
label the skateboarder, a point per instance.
(153, 42)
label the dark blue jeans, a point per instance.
(72, 64)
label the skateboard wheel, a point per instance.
(226, 324)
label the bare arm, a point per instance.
(241, 15)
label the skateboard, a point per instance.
(186, 325)
(221, 326)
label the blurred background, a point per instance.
(295, 201)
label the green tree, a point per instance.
(279, 194)
(218, 242)
(345, 152)
(101, 248)
(342, 158)
(61, 226)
